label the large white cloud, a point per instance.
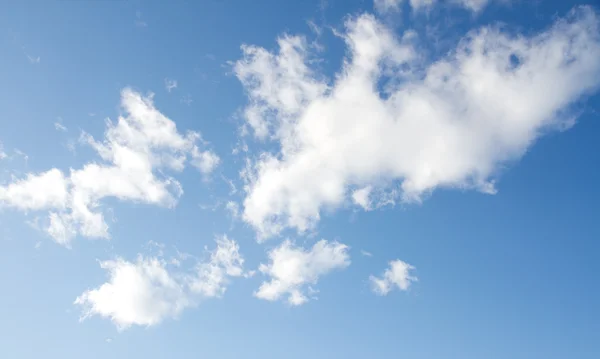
(148, 291)
(135, 151)
(402, 127)
(294, 269)
(398, 275)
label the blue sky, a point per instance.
(353, 179)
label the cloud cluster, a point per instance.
(293, 269)
(135, 152)
(392, 126)
(396, 276)
(148, 291)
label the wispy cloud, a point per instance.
(365, 253)
(59, 126)
(187, 99)
(33, 59)
(170, 84)
(139, 22)
(3, 154)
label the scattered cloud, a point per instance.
(3, 154)
(33, 59)
(136, 151)
(149, 290)
(21, 154)
(293, 269)
(232, 187)
(360, 197)
(473, 5)
(397, 125)
(365, 253)
(170, 84)
(59, 126)
(391, 6)
(396, 276)
(187, 99)
(139, 22)
(233, 208)
(205, 161)
(386, 6)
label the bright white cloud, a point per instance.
(149, 290)
(361, 198)
(136, 151)
(452, 123)
(396, 276)
(36, 192)
(170, 84)
(293, 269)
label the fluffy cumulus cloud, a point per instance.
(396, 276)
(149, 290)
(392, 126)
(294, 269)
(135, 154)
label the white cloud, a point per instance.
(136, 151)
(187, 99)
(450, 124)
(205, 161)
(233, 208)
(389, 6)
(365, 253)
(148, 291)
(385, 6)
(396, 276)
(21, 154)
(473, 5)
(170, 84)
(36, 192)
(59, 126)
(293, 269)
(360, 197)
(33, 59)
(3, 154)
(212, 277)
